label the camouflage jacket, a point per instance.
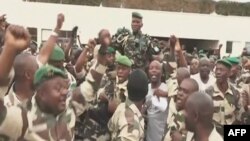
(138, 48)
(42, 126)
(94, 125)
(176, 123)
(228, 108)
(127, 123)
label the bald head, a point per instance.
(192, 84)
(182, 73)
(24, 64)
(201, 104)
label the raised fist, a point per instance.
(60, 20)
(17, 37)
(172, 40)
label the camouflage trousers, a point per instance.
(88, 129)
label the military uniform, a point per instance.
(227, 106)
(12, 100)
(176, 123)
(94, 125)
(127, 123)
(174, 119)
(58, 55)
(44, 126)
(214, 136)
(137, 47)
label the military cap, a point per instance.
(136, 15)
(124, 60)
(57, 54)
(233, 60)
(137, 85)
(47, 72)
(110, 50)
(224, 62)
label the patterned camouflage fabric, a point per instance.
(12, 100)
(94, 125)
(42, 126)
(139, 48)
(176, 123)
(227, 107)
(127, 123)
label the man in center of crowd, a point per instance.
(127, 122)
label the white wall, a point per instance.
(156, 23)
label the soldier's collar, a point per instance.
(218, 92)
(121, 84)
(139, 33)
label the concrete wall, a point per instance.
(156, 23)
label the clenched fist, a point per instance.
(60, 20)
(17, 37)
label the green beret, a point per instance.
(110, 50)
(47, 72)
(57, 54)
(233, 60)
(136, 15)
(224, 62)
(124, 60)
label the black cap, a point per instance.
(137, 85)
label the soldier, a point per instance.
(235, 71)
(136, 46)
(17, 40)
(13, 45)
(176, 126)
(57, 59)
(50, 109)
(22, 90)
(226, 98)
(198, 115)
(114, 92)
(127, 122)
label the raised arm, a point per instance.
(49, 45)
(85, 94)
(17, 39)
(83, 58)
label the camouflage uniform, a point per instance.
(94, 125)
(127, 123)
(227, 107)
(137, 48)
(175, 119)
(42, 126)
(176, 123)
(12, 100)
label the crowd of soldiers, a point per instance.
(125, 87)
